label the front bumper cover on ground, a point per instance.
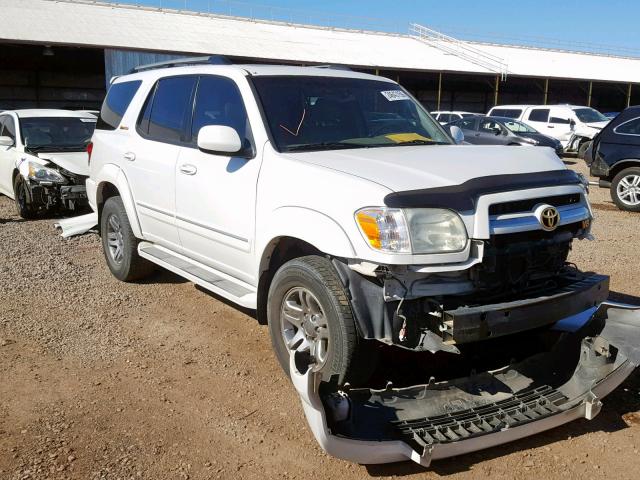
(483, 410)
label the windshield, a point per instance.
(519, 127)
(57, 133)
(589, 115)
(326, 113)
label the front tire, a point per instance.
(120, 245)
(22, 199)
(625, 189)
(309, 313)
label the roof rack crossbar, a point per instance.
(181, 62)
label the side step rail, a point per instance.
(208, 278)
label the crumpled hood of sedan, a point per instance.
(414, 167)
(74, 162)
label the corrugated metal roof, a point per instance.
(131, 27)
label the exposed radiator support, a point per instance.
(460, 49)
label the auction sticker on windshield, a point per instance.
(394, 95)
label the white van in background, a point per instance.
(573, 125)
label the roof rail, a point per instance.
(332, 67)
(181, 62)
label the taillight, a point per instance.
(89, 151)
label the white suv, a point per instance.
(573, 125)
(43, 159)
(444, 117)
(403, 278)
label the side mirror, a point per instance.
(457, 134)
(6, 142)
(219, 139)
(497, 131)
(572, 124)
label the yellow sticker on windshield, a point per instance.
(406, 137)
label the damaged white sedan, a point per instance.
(44, 160)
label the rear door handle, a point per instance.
(188, 169)
(130, 156)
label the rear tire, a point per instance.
(625, 189)
(22, 199)
(120, 244)
(329, 342)
(582, 149)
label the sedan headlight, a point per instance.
(414, 230)
(40, 173)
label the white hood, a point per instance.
(599, 125)
(75, 162)
(415, 167)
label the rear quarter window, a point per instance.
(631, 127)
(115, 105)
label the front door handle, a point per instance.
(130, 156)
(188, 169)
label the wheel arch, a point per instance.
(111, 182)
(622, 165)
(296, 232)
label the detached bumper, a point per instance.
(482, 411)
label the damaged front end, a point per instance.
(556, 375)
(52, 188)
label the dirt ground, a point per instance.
(161, 380)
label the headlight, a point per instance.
(43, 174)
(414, 230)
(530, 140)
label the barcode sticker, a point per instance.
(395, 95)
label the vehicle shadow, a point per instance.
(163, 276)
(4, 221)
(247, 311)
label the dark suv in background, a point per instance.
(614, 157)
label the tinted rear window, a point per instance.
(115, 105)
(506, 112)
(539, 115)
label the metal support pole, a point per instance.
(546, 90)
(378, 72)
(629, 95)
(590, 94)
(439, 90)
(496, 91)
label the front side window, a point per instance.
(490, 126)
(167, 110)
(56, 134)
(589, 115)
(116, 103)
(632, 127)
(445, 118)
(519, 127)
(323, 113)
(219, 102)
(539, 115)
(7, 127)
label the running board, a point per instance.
(217, 282)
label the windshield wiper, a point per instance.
(325, 146)
(417, 141)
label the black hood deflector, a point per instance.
(464, 197)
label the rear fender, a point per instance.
(114, 175)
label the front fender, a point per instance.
(114, 175)
(308, 225)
